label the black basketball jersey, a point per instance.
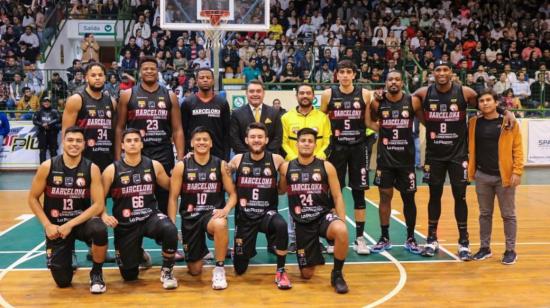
(95, 117)
(133, 191)
(446, 127)
(347, 116)
(396, 142)
(202, 188)
(150, 113)
(308, 190)
(257, 186)
(67, 192)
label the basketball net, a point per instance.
(213, 36)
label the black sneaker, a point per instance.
(97, 285)
(464, 253)
(509, 257)
(482, 254)
(338, 282)
(430, 249)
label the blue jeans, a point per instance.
(417, 152)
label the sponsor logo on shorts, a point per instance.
(80, 182)
(142, 132)
(298, 210)
(190, 208)
(91, 143)
(433, 135)
(336, 132)
(385, 141)
(54, 213)
(126, 213)
(242, 202)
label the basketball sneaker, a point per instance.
(482, 254)
(430, 249)
(411, 246)
(464, 253)
(97, 285)
(382, 245)
(510, 257)
(218, 278)
(360, 246)
(338, 282)
(282, 281)
(167, 278)
(292, 247)
(146, 261)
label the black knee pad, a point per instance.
(278, 227)
(98, 230)
(169, 236)
(240, 264)
(129, 274)
(358, 199)
(62, 277)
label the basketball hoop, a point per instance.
(215, 16)
(213, 35)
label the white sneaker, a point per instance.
(330, 249)
(167, 278)
(97, 286)
(361, 246)
(209, 256)
(218, 278)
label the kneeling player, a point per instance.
(395, 162)
(132, 182)
(201, 178)
(258, 201)
(68, 182)
(311, 182)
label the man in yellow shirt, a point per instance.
(276, 28)
(28, 102)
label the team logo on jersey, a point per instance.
(363, 171)
(454, 107)
(57, 180)
(357, 105)
(49, 252)
(108, 113)
(92, 113)
(126, 213)
(243, 202)
(69, 182)
(378, 173)
(298, 210)
(385, 141)
(395, 114)
(54, 213)
(433, 107)
(412, 176)
(426, 168)
(191, 176)
(80, 182)
(385, 114)
(142, 132)
(433, 135)
(161, 105)
(336, 132)
(347, 105)
(101, 113)
(305, 177)
(337, 105)
(125, 179)
(141, 104)
(202, 176)
(257, 171)
(294, 177)
(91, 143)
(190, 208)
(316, 177)
(147, 177)
(443, 107)
(246, 170)
(267, 172)
(405, 114)
(136, 178)
(465, 164)
(152, 104)
(212, 176)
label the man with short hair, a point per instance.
(47, 120)
(73, 197)
(313, 193)
(28, 102)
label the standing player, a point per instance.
(313, 191)
(207, 109)
(258, 200)
(395, 160)
(132, 182)
(155, 113)
(346, 108)
(202, 178)
(444, 104)
(73, 197)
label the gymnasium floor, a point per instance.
(396, 278)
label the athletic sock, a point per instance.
(359, 228)
(410, 232)
(168, 262)
(432, 231)
(385, 231)
(220, 263)
(463, 233)
(281, 261)
(97, 267)
(338, 264)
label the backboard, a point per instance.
(244, 15)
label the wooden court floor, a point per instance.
(480, 284)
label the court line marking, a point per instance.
(5, 271)
(23, 220)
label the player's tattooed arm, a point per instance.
(233, 164)
(175, 189)
(37, 189)
(282, 178)
(229, 187)
(107, 179)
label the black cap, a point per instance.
(442, 63)
(47, 98)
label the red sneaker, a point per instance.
(282, 281)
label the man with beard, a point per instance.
(207, 109)
(257, 208)
(444, 104)
(304, 116)
(395, 162)
(93, 111)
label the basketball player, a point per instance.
(73, 197)
(207, 109)
(132, 182)
(395, 159)
(94, 113)
(313, 191)
(346, 108)
(202, 178)
(258, 200)
(444, 104)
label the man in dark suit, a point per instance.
(255, 111)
